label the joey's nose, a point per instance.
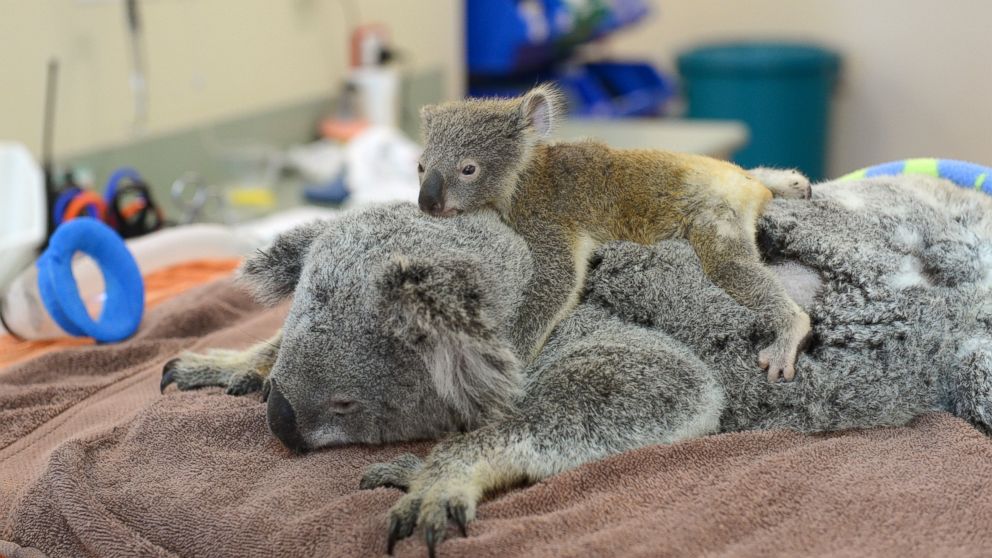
(282, 420)
(432, 192)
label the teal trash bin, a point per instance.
(781, 91)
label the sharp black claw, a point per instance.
(266, 386)
(457, 514)
(430, 537)
(168, 374)
(394, 535)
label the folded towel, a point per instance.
(94, 462)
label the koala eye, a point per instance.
(344, 406)
(420, 168)
(468, 170)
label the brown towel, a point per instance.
(95, 463)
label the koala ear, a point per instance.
(437, 308)
(427, 113)
(541, 108)
(272, 272)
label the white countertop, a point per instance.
(717, 138)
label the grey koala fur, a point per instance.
(655, 353)
(390, 293)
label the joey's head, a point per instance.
(396, 329)
(474, 150)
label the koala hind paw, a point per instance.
(783, 183)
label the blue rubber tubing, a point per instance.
(124, 304)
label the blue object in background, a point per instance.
(635, 88)
(966, 175)
(602, 89)
(782, 91)
(124, 304)
(333, 192)
(506, 37)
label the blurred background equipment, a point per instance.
(23, 210)
(513, 45)
(782, 91)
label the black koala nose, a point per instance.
(431, 199)
(282, 420)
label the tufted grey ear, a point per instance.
(541, 108)
(272, 272)
(437, 308)
(427, 113)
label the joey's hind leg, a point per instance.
(730, 259)
(241, 372)
(783, 183)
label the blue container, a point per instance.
(781, 91)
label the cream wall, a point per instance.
(917, 79)
(207, 59)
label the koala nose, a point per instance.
(432, 192)
(282, 420)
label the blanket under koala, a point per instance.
(895, 274)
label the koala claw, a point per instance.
(457, 514)
(401, 526)
(168, 374)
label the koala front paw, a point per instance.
(215, 368)
(431, 507)
(398, 473)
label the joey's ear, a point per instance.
(272, 272)
(541, 108)
(437, 308)
(427, 113)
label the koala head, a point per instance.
(475, 149)
(397, 326)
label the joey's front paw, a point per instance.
(214, 368)
(430, 508)
(398, 473)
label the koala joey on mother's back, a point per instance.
(400, 329)
(568, 198)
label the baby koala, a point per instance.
(568, 198)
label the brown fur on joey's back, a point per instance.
(567, 198)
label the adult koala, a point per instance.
(398, 331)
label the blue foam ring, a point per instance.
(63, 201)
(115, 180)
(125, 291)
